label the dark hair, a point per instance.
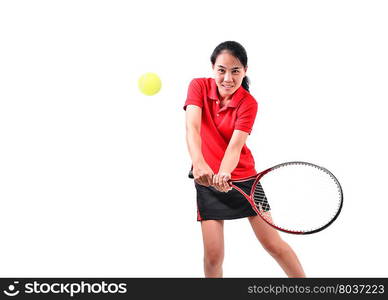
(238, 51)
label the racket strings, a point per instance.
(260, 199)
(304, 198)
(327, 172)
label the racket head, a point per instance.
(297, 197)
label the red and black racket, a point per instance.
(295, 197)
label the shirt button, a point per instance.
(217, 102)
(218, 115)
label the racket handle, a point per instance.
(191, 176)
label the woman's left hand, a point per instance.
(220, 182)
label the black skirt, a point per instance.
(215, 205)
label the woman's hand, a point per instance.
(203, 174)
(220, 182)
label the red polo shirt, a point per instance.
(218, 124)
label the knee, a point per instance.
(275, 248)
(213, 258)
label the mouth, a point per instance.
(227, 87)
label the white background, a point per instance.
(88, 164)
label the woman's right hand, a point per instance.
(203, 174)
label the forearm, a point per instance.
(193, 140)
(230, 160)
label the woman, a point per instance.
(220, 113)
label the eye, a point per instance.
(236, 71)
(221, 71)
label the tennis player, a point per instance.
(220, 113)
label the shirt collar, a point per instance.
(236, 98)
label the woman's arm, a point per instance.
(230, 160)
(202, 172)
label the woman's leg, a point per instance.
(213, 242)
(276, 247)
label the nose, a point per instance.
(228, 76)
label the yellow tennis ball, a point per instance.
(149, 84)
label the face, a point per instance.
(228, 74)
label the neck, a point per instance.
(224, 98)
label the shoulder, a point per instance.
(203, 87)
(248, 100)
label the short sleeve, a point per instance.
(246, 115)
(194, 94)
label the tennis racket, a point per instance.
(295, 197)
